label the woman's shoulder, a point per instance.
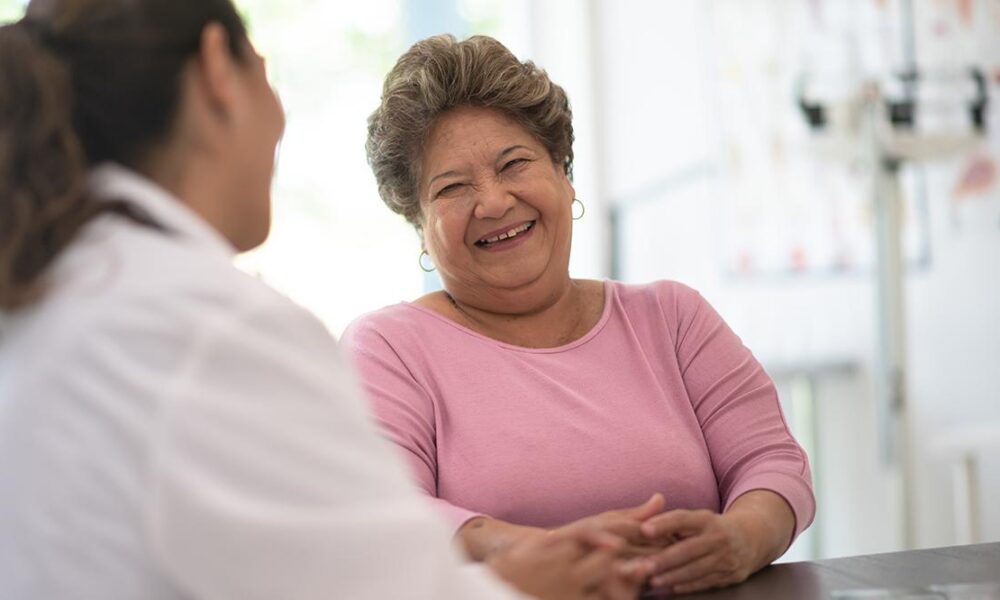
(401, 325)
(394, 317)
(105, 276)
(663, 295)
(663, 303)
(667, 307)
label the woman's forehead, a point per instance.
(468, 132)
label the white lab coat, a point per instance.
(173, 428)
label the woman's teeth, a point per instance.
(507, 234)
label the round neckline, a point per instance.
(605, 316)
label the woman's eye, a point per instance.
(449, 189)
(514, 163)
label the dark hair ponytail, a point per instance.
(42, 165)
(83, 82)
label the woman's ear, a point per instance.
(217, 70)
(569, 185)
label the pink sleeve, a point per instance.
(737, 406)
(403, 410)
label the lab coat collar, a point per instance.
(112, 181)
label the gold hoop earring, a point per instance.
(420, 260)
(583, 209)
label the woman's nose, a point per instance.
(493, 202)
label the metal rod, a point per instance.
(891, 366)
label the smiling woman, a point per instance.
(495, 213)
(526, 400)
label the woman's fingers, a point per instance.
(647, 509)
(611, 526)
(598, 575)
(715, 554)
(637, 570)
(682, 553)
(693, 570)
(676, 523)
(582, 560)
(558, 566)
(594, 569)
(621, 547)
(639, 550)
(621, 588)
(597, 538)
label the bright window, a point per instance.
(334, 247)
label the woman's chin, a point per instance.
(252, 237)
(521, 283)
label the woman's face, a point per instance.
(257, 137)
(496, 210)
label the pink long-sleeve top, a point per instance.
(660, 396)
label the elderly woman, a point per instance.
(526, 400)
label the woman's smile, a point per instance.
(505, 239)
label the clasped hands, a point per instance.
(682, 550)
(616, 552)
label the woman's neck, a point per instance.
(565, 316)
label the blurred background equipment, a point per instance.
(886, 130)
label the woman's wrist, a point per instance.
(757, 538)
(482, 537)
(767, 522)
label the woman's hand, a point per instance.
(576, 563)
(625, 523)
(713, 550)
(587, 558)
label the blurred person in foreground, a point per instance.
(527, 401)
(169, 426)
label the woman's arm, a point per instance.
(764, 477)
(737, 407)
(403, 408)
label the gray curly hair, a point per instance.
(440, 73)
